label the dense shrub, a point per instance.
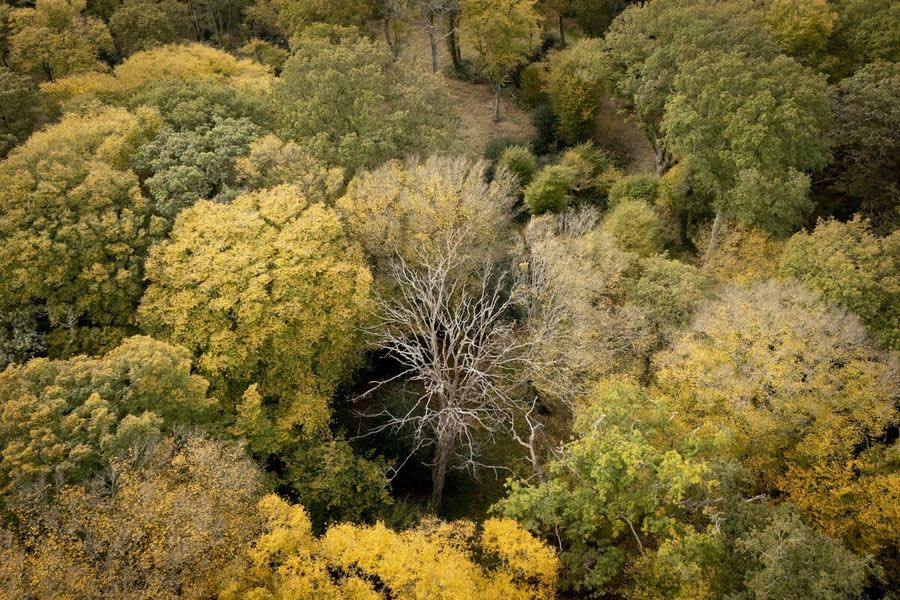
(635, 187)
(594, 170)
(532, 86)
(549, 192)
(519, 161)
(635, 227)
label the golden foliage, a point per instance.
(265, 290)
(794, 389)
(169, 530)
(434, 561)
(745, 255)
(172, 63)
(74, 222)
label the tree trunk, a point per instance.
(453, 39)
(562, 31)
(663, 159)
(433, 41)
(439, 471)
(393, 46)
(713, 237)
(496, 104)
(195, 19)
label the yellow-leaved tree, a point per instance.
(407, 209)
(435, 561)
(267, 290)
(166, 527)
(503, 33)
(794, 389)
(173, 63)
(75, 226)
(54, 39)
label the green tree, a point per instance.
(53, 39)
(349, 104)
(75, 227)
(635, 227)
(180, 167)
(595, 173)
(647, 46)
(595, 16)
(866, 32)
(852, 267)
(549, 191)
(19, 109)
(291, 17)
(142, 24)
(503, 33)
(615, 496)
(192, 105)
(867, 142)
(266, 53)
(667, 292)
(519, 161)
(815, 565)
(750, 127)
(635, 187)
(65, 420)
(575, 84)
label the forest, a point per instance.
(449, 299)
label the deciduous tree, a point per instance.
(75, 227)
(576, 81)
(66, 421)
(613, 497)
(145, 71)
(143, 24)
(19, 109)
(750, 128)
(793, 389)
(503, 33)
(851, 267)
(53, 39)
(447, 323)
(435, 560)
(170, 527)
(647, 46)
(801, 28)
(867, 143)
(349, 104)
(180, 167)
(408, 209)
(267, 290)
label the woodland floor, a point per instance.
(473, 104)
(617, 132)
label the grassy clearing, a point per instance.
(473, 103)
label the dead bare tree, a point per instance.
(447, 320)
